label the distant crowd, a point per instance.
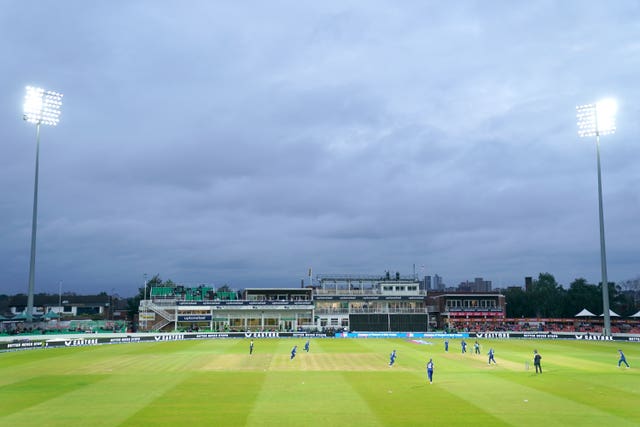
(586, 327)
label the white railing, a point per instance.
(159, 325)
(159, 310)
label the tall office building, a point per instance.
(437, 283)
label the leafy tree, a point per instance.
(4, 304)
(516, 299)
(547, 296)
(155, 281)
(620, 302)
(631, 288)
(133, 306)
(582, 295)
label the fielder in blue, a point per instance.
(446, 345)
(463, 344)
(306, 346)
(392, 358)
(293, 352)
(491, 359)
(430, 371)
(622, 359)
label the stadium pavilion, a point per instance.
(336, 302)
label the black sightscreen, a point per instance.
(391, 322)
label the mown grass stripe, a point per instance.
(205, 399)
(310, 398)
(31, 392)
(105, 403)
(524, 405)
(404, 398)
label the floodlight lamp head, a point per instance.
(606, 116)
(42, 106)
(597, 119)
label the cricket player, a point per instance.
(293, 352)
(430, 371)
(446, 345)
(306, 346)
(251, 348)
(622, 359)
(476, 347)
(392, 358)
(536, 361)
(491, 358)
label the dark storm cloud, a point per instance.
(242, 144)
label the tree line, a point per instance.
(547, 298)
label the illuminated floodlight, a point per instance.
(42, 106)
(597, 119)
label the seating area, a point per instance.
(162, 291)
(534, 325)
(200, 293)
(65, 327)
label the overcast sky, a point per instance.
(242, 143)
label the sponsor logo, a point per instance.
(172, 337)
(80, 342)
(215, 335)
(594, 337)
(194, 317)
(25, 344)
(308, 335)
(493, 335)
(457, 335)
(125, 339)
(262, 334)
(378, 335)
(539, 335)
(634, 338)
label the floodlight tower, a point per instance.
(41, 107)
(595, 120)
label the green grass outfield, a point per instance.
(340, 382)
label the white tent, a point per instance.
(636, 315)
(611, 313)
(585, 313)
